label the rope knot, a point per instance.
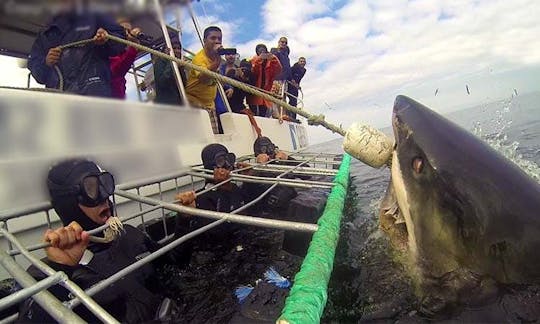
(315, 120)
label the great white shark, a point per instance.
(468, 218)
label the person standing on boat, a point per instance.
(280, 84)
(230, 63)
(237, 96)
(297, 73)
(264, 67)
(166, 88)
(85, 69)
(80, 194)
(121, 64)
(201, 89)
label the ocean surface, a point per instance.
(367, 283)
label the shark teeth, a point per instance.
(394, 212)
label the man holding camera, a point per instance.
(201, 89)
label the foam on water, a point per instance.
(498, 139)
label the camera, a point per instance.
(144, 37)
(227, 51)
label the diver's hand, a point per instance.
(101, 37)
(262, 158)
(187, 198)
(280, 155)
(53, 57)
(242, 165)
(67, 244)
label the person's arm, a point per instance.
(121, 64)
(37, 62)
(111, 48)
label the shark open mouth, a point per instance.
(392, 221)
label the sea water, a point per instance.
(368, 283)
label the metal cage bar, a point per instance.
(122, 273)
(44, 298)
(85, 298)
(91, 304)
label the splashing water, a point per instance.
(498, 139)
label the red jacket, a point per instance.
(120, 66)
(271, 70)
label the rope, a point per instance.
(110, 233)
(57, 69)
(309, 294)
(240, 85)
(32, 89)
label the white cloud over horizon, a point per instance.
(361, 54)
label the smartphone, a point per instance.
(227, 51)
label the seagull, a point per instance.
(327, 105)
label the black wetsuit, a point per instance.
(133, 299)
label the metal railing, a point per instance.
(132, 193)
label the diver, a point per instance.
(265, 150)
(230, 196)
(80, 194)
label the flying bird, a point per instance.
(436, 91)
(329, 107)
(467, 87)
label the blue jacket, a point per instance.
(85, 69)
(283, 57)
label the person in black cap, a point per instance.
(80, 194)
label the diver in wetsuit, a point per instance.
(80, 194)
(230, 196)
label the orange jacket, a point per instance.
(271, 70)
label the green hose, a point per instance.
(308, 295)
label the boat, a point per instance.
(154, 152)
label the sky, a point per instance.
(362, 53)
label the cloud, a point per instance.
(362, 53)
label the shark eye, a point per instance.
(418, 164)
